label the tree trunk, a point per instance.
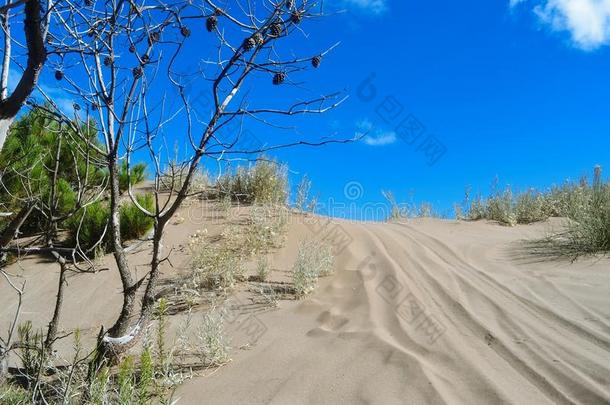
(6, 61)
(3, 365)
(53, 325)
(129, 288)
(148, 301)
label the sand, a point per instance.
(424, 311)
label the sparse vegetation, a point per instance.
(585, 205)
(46, 378)
(264, 230)
(302, 197)
(173, 177)
(214, 267)
(212, 342)
(400, 211)
(264, 183)
(314, 260)
(262, 268)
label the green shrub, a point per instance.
(14, 395)
(89, 225)
(589, 230)
(135, 175)
(126, 381)
(91, 222)
(99, 388)
(31, 350)
(32, 145)
(568, 199)
(134, 222)
(146, 380)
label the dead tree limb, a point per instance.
(10, 106)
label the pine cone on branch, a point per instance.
(211, 23)
(279, 78)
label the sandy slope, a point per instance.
(427, 311)
(513, 330)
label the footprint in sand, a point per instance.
(328, 323)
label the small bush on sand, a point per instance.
(135, 223)
(302, 197)
(91, 229)
(588, 231)
(262, 268)
(396, 211)
(99, 390)
(212, 341)
(31, 353)
(214, 267)
(568, 199)
(530, 207)
(90, 226)
(474, 208)
(500, 207)
(264, 230)
(264, 183)
(314, 260)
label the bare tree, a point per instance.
(36, 55)
(123, 63)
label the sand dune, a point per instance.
(430, 312)
(425, 311)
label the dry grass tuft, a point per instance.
(314, 260)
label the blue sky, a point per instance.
(511, 88)
(515, 90)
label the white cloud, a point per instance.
(374, 137)
(587, 21)
(374, 6)
(364, 125)
(380, 139)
